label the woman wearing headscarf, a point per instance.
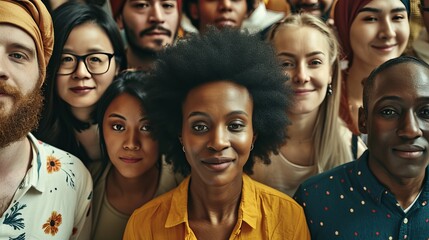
(370, 32)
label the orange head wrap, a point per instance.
(32, 17)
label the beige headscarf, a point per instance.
(32, 17)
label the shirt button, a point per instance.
(405, 220)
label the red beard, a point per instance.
(23, 117)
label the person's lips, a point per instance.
(130, 159)
(302, 92)
(225, 22)
(409, 151)
(218, 164)
(156, 30)
(385, 47)
(9, 91)
(81, 89)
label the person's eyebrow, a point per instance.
(377, 10)
(30, 51)
(114, 115)
(369, 9)
(197, 113)
(90, 50)
(287, 54)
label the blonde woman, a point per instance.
(318, 140)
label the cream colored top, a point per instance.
(109, 223)
(286, 176)
(282, 174)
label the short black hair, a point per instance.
(216, 55)
(369, 82)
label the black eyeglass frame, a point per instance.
(82, 58)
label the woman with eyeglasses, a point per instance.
(88, 53)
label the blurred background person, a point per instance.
(148, 26)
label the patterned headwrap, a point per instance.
(32, 17)
(118, 5)
(345, 13)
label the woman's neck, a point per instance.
(83, 114)
(127, 194)
(302, 127)
(357, 73)
(144, 184)
(214, 204)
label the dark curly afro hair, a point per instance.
(216, 55)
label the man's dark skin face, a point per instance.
(397, 123)
(320, 8)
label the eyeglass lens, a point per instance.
(96, 63)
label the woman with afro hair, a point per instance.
(217, 102)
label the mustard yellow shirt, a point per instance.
(264, 213)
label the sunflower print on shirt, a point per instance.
(54, 164)
(52, 224)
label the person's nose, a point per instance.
(409, 126)
(301, 74)
(4, 75)
(225, 5)
(219, 139)
(387, 30)
(132, 141)
(81, 71)
(156, 14)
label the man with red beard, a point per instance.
(149, 26)
(45, 192)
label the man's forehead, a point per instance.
(136, 1)
(294, 2)
(15, 36)
(403, 75)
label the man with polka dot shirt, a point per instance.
(385, 193)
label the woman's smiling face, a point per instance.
(217, 131)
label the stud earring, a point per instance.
(329, 90)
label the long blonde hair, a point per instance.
(330, 149)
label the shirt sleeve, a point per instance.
(302, 232)
(129, 230)
(83, 218)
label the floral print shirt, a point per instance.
(52, 201)
(348, 202)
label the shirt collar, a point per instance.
(248, 205)
(179, 205)
(366, 179)
(35, 174)
(370, 184)
(248, 211)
